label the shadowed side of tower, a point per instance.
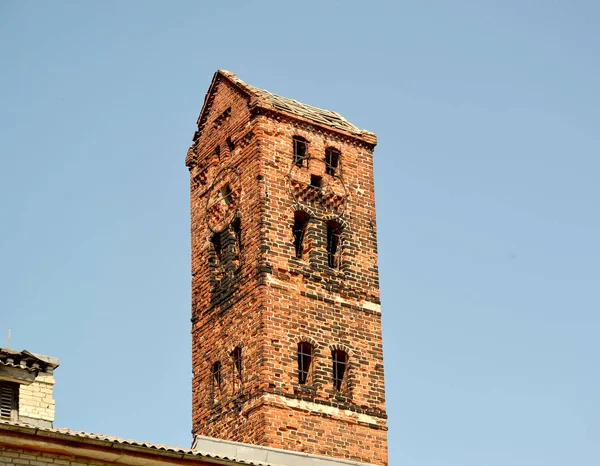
(286, 319)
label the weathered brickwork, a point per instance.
(36, 401)
(251, 290)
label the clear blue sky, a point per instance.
(487, 174)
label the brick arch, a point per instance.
(351, 376)
(340, 220)
(297, 207)
(332, 145)
(304, 209)
(235, 345)
(307, 339)
(344, 348)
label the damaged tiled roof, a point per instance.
(325, 117)
(26, 360)
(285, 104)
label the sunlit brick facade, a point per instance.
(286, 320)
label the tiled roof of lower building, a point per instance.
(206, 449)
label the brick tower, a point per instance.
(286, 321)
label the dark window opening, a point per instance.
(225, 195)
(237, 231)
(9, 404)
(299, 231)
(334, 236)
(230, 144)
(305, 356)
(340, 364)
(221, 118)
(236, 355)
(218, 152)
(300, 151)
(215, 240)
(332, 160)
(216, 377)
(316, 181)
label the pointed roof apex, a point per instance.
(265, 99)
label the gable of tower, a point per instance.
(225, 111)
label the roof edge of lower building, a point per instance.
(266, 455)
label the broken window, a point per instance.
(332, 160)
(305, 356)
(334, 239)
(216, 377)
(299, 231)
(9, 404)
(340, 364)
(300, 151)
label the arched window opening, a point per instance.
(340, 365)
(305, 357)
(334, 239)
(300, 151)
(216, 377)
(332, 160)
(299, 231)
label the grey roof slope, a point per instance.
(205, 448)
(87, 437)
(326, 117)
(284, 104)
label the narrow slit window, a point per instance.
(300, 151)
(305, 356)
(334, 239)
(218, 152)
(217, 245)
(299, 231)
(332, 160)
(237, 231)
(236, 355)
(340, 366)
(216, 377)
(230, 144)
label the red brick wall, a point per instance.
(266, 300)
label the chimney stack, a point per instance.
(26, 384)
